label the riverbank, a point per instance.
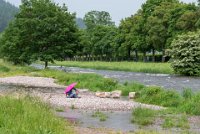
(160, 68)
(88, 100)
(51, 93)
(27, 115)
(166, 81)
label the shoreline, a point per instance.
(52, 93)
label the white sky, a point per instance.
(118, 9)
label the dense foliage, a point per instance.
(7, 13)
(150, 31)
(42, 31)
(48, 32)
(186, 54)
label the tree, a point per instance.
(186, 54)
(95, 18)
(158, 25)
(98, 25)
(10, 47)
(105, 44)
(178, 20)
(46, 31)
(132, 30)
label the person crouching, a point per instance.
(73, 93)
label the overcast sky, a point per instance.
(118, 9)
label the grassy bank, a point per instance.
(7, 69)
(167, 118)
(27, 115)
(163, 68)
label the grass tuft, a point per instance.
(143, 116)
(100, 115)
(176, 121)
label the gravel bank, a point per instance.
(88, 100)
(30, 81)
(91, 102)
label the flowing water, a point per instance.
(166, 81)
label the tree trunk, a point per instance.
(129, 54)
(46, 64)
(101, 58)
(163, 55)
(144, 57)
(136, 55)
(153, 57)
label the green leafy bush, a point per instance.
(158, 96)
(186, 54)
(131, 87)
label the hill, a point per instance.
(80, 23)
(7, 13)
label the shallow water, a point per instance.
(120, 121)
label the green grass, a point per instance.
(178, 121)
(27, 115)
(143, 116)
(191, 106)
(169, 118)
(159, 96)
(100, 115)
(93, 82)
(7, 69)
(163, 68)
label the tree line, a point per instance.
(150, 31)
(43, 30)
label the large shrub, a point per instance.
(186, 54)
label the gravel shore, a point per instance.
(30, 81)
(88, 100)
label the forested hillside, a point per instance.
(7, 13)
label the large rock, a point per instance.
(103, 94)
(107, 94)
(97, 94)
(132, 95)
(116, 94)
(83, 90)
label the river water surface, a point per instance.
(166, 81)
